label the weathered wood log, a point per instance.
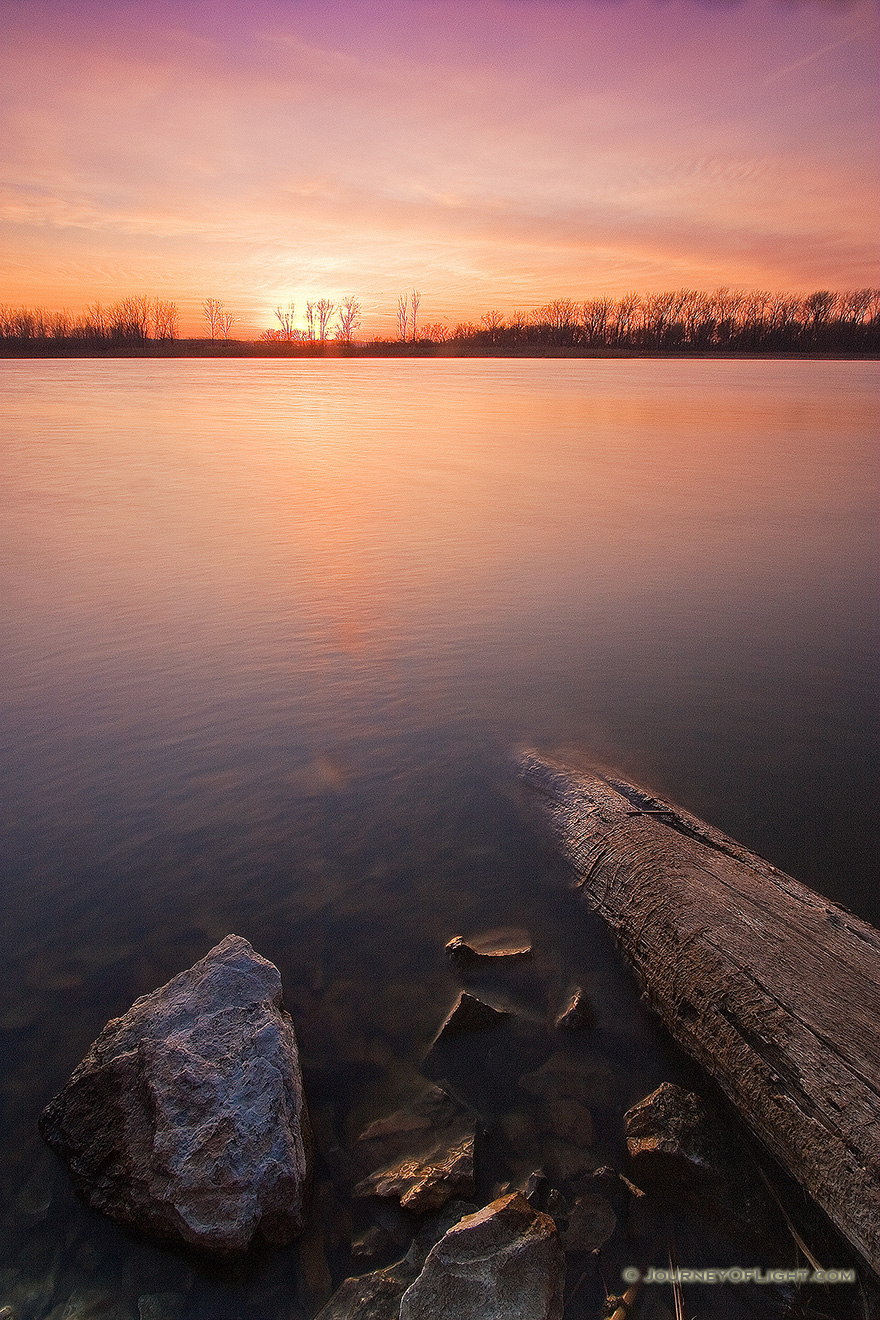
(773, 989)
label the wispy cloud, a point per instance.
(619, 146)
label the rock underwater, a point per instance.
(186, 1120)
(503, 1263)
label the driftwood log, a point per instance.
(773, 989)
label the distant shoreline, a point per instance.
(247, 348)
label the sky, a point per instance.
(493, 154)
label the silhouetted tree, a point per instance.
(493, 323)
(285, 320)
(624, 317)
(402, 315)
(349, 314)
(414, 299)
(212, 310)
(324, 308)
(594, 319)
(311, 315)
(166, 319)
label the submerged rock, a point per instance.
(680, 1144)
(424, 1153)
(670, 1139)
(373, 1243)
(590, 1081)
(186, 1120)
(376, 1296)
(492, 948)
(469, 1014)
(578, 1013)
(591, 1221)
(503, 1263)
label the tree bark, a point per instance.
(773, 989)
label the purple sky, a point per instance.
(492, 153)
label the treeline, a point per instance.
(126, 323)
(684, 320)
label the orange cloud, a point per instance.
(581, 149)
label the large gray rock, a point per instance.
(186, 1119)
(503, 1263)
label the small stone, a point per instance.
(426, 1183)
(373, 1296)
(35, 1197)
(93, 1304)
(186, 1120)
(494, 947)
(682, 1145)
(375, 1242)
(537, 1190)
(503, 1263)
(591, 1222)
(469, 1014)
(578, 1013)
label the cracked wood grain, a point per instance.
(773, 989)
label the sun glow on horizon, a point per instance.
(493, 154)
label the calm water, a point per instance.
(271, 630)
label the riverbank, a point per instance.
(244, 348)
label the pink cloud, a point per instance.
(486, 151)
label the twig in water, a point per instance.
(791, 1228)
(677, 1297)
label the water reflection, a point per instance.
(272, 629)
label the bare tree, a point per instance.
(324, 308)
(311, 314)
(284, 316)
(414, 299)
(58, 325)
(129, 319)
(402, 315)
(437, 332)
(855, 305)
(594, 318)
(212, 310)
(625, 315)
(492, 323)
(166, 319)
(95, 321)
(226, 322)
(349, 314)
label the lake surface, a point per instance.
(272, 630)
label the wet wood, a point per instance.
(773, 989)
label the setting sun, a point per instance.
(494, 154)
